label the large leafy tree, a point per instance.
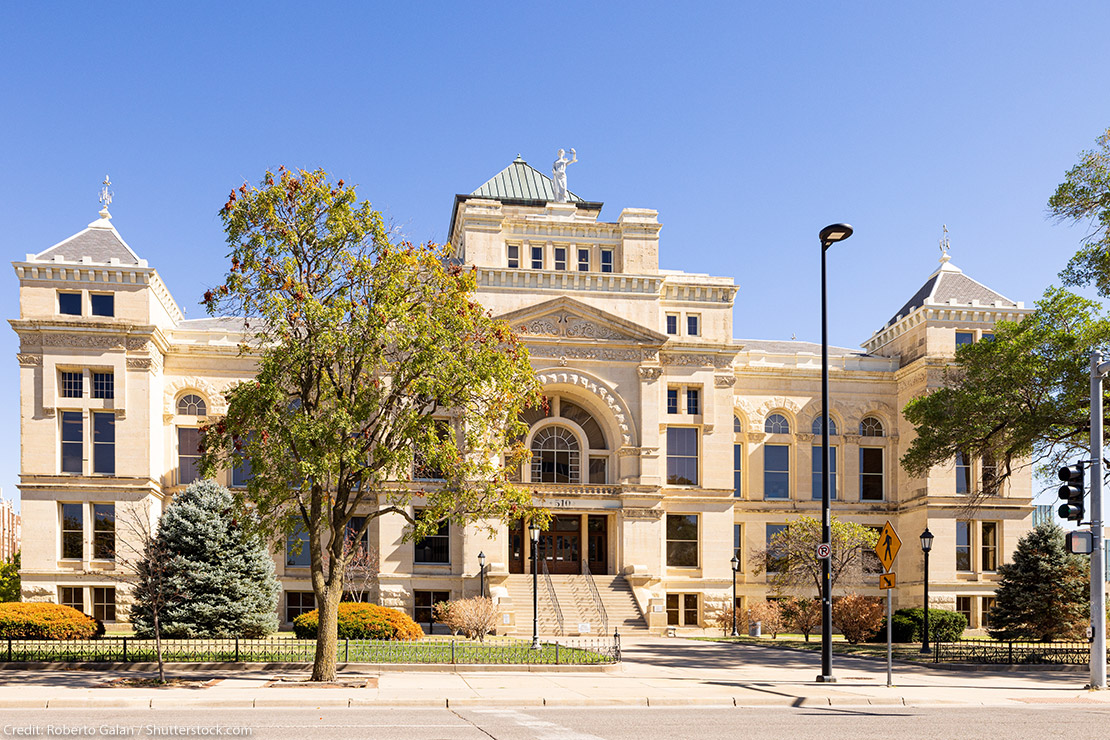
(9, 579)
(1043, 592)
(1084, 197)
(372, 354)
(790, 558)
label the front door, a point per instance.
(516, 546)
(597, 535)
(560, 544)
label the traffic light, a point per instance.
(1072, 492)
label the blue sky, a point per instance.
(749, 126)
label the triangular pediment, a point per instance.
(568, 320)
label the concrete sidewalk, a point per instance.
(655, 672)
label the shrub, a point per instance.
(906, 626)
(444, 613)
(858, 617)
(41, 621)
(769, 614)
(358, 621)
(722, 618)
(475, 617)
(802, 615)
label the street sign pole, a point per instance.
(889, 642)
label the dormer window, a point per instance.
(102, 304)
(69, 304)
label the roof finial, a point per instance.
(105, 197)
(944, 245)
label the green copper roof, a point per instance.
(520, 181)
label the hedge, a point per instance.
(42, 621)
(359, 621)
(907, 626)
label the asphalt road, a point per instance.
(1073, 720)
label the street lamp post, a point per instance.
(482, 574)
(829, 235)
(534, 533)
(926, 546)
(735, 569)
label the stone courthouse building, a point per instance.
(668, 445)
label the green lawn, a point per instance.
(904, 651)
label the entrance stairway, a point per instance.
(577, 604)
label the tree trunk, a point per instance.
(158, 647)
(327, 640)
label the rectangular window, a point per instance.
(963, 472)
(69, 304)
(104, 443)
(298, 553)
(298, 603)
(104, 531)
(583, 260)
(353, 526)
(989, 545)
(672, 400)
(72, 442)
(817, 477)
(102, 304)
(423, 605)
(560, 258)
(188, 455)
(738, 544)
(607, 260)
(985, 611)
(103, 385)
(682, 610)
(241, 473)
(773, 555)
(776, 471)
(692, 401)
(963, 546)
(871, 474)
(72, 384)
(72, 596)
(104, 603)
(672, 324)
(986, 337)
(435, 549)
(73, 531)
(682, 540)
(989, 475)
(537, 258)
(963, 606)
(737, 462)
(599, 472)
(964, 337)
(514, 255)
(693, 325)
(682, 456)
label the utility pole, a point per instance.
(1099, 369)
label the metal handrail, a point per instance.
(552, 596)
(598, 603)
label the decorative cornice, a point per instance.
(724, 381)
(563, 352)
(645, 514)
(29, 360)
(696, 359)
(649, 372)
(629, 452)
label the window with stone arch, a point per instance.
(817, 425)
(560, 454)
(737, 425)
(871, 427)
(191, 405)
(776, 424)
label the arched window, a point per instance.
(776, 424)
(737, 427)
(191, 405)
(555, 456)
(817, 426)
(871, 427)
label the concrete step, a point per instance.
(577, 604)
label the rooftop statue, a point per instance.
(559, 174)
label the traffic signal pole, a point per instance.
(1098, 548)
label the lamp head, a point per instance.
(834, 233)
(735, 563)
(482, 559)
(534, 531)
(926, 540)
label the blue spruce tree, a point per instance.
(218, 577)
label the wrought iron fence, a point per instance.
(494, 651)
(1012, 653)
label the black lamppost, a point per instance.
(829, 235)
(534, 533)
(482, 573)
(735, 569)
(926, 546)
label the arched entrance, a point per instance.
(568, 539)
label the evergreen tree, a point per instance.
(220, 572)
(1043, 594)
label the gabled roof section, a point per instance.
(99, 242)
(565, 319)
(950, 286)
(521, 181)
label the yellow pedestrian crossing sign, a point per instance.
(887, 546)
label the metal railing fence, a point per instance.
(1013, 652)
(553, 596)
(599, 605)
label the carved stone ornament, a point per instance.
(562, 352)
(706, 428)
(851, 438)
(615, 406)
(29, 360)
(724, 381)
(649, 373)
(804, 436)
(646, 514)
(139, 363)
(629, 452)
(687, 360)
(571, 326)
